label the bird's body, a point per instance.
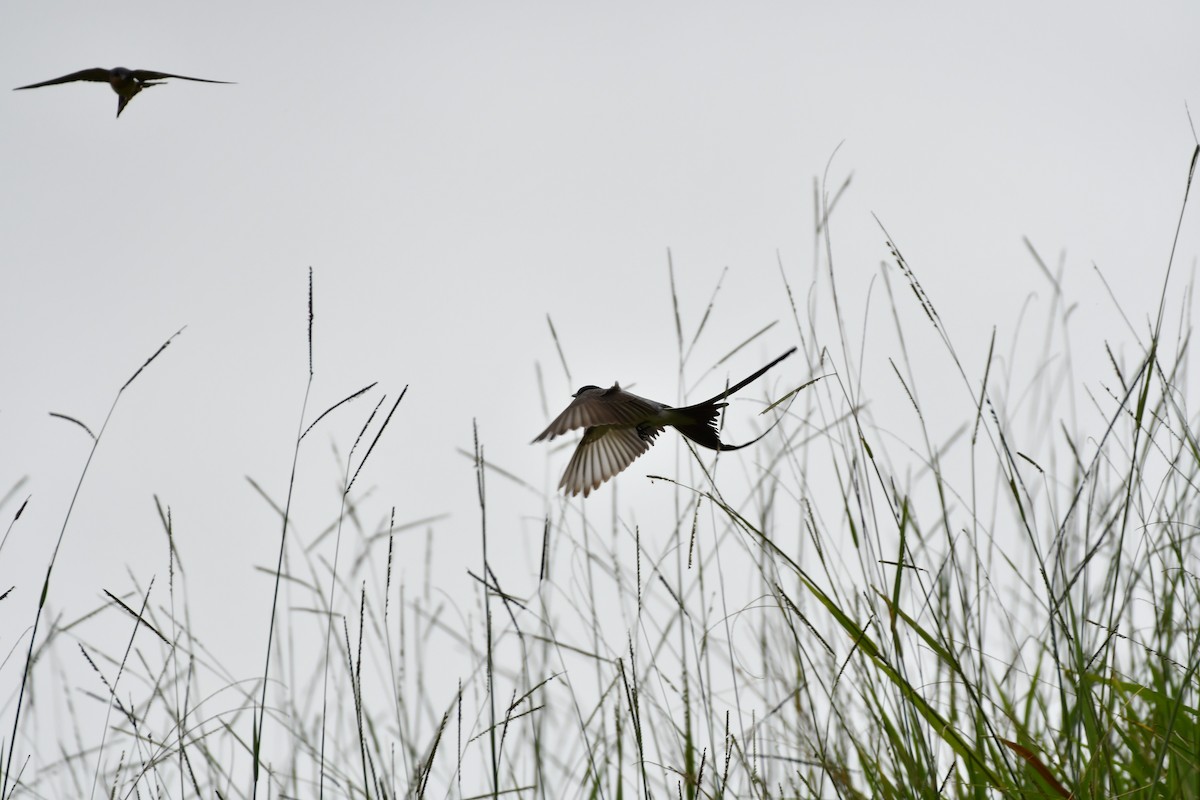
(125, 82)
(619, 426)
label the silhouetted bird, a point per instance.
(620, 426)
(125, 82)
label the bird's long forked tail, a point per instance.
(703, 430)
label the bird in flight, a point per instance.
(619, 426)
(125, 82)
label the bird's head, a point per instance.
(587, 388)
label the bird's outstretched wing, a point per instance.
(151, 75)
(602, 453)
(594, 406)
(94, 74)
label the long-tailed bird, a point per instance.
(620, 426)
(125, 82)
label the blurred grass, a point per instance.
(852, 611)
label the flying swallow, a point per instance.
(125, 82)
(619, 426)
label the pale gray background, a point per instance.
(454, 172)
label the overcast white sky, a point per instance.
(454, 172)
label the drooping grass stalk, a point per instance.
(12, 745)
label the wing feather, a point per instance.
(151, 75)
(93, 74)
(602, 453)
(592, 407)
